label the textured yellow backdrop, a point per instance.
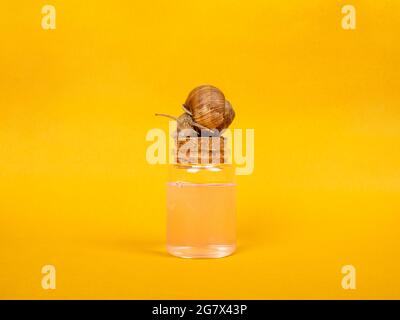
(76, 103)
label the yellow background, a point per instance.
(75, 106)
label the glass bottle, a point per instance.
(201, 207)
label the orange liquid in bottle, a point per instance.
(201, 219)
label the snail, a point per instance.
(206, 115)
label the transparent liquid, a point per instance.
(201, 219)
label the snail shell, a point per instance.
(206, 104)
